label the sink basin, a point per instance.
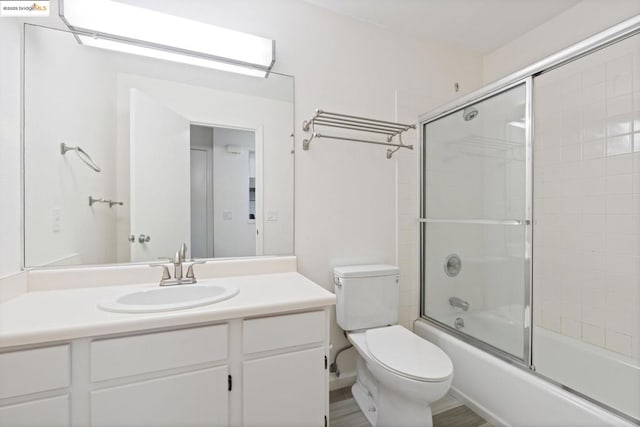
(169, 298)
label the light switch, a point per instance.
(227, 215)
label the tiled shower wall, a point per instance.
(587, 199)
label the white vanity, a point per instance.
(259, 358)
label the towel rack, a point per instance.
(362, 124)
(83, 155)
(93, 200)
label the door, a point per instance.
(160, 176)
(201, 197)
(476, 221)
(199, 398)
(285, 390)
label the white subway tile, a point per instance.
(594, 316)
(593, 167)
(571, 328)
(551, 320)
(619, 105)
(593, 334)
(593, 297)
(622, 264)
(624, 244)
(619, 145)
(620, 165)
(594, 263)
(619, 223)
(619, 184)
(594, 75)
(594, 186)
(571, 153)
(594, 205)
(620, 124)
(620, 321)
(593, 222)
(594, 93)
(593, 149)
(619, 343)
(619, 204)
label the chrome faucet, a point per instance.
(179, 262)
(459, 302)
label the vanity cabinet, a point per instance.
(198, 398)
(34, 383)
(171, 397)
(284, 371)
(264, 371)
(285, 390)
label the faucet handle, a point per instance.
(165, 270)
(190, 264)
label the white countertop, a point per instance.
(58, 315)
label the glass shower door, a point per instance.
(476, 221)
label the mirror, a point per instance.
(127, 157)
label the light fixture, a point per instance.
(518, 123)
(117, 26)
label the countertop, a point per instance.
(62, 315)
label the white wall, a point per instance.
(234, 236)
(346, 202)
(76, 105)
(585, 19)
(10, 246)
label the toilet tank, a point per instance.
(367, 296)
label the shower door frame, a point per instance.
(608, 37)
(527, 359)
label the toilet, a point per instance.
(398, 374)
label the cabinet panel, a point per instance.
(199, 398)
(275, 332)
(52, 412)
(31, 371)
(285, 390)
(121, 357)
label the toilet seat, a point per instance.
(404, 353)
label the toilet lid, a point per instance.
(405, 353)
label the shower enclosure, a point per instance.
(530, 219)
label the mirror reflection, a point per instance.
(127, 157)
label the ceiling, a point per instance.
(478, 25)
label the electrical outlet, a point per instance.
(227, 215)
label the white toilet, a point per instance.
(399, 374)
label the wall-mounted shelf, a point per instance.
(361, 124)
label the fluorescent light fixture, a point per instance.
(117, 26)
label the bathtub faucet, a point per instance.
(459, 302)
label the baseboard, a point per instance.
(490, 417)
(344, 381)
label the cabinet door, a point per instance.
(285, 390)
(199, 398)
(53, 412)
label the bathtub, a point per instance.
(509, 395)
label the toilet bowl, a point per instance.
(399, 374)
